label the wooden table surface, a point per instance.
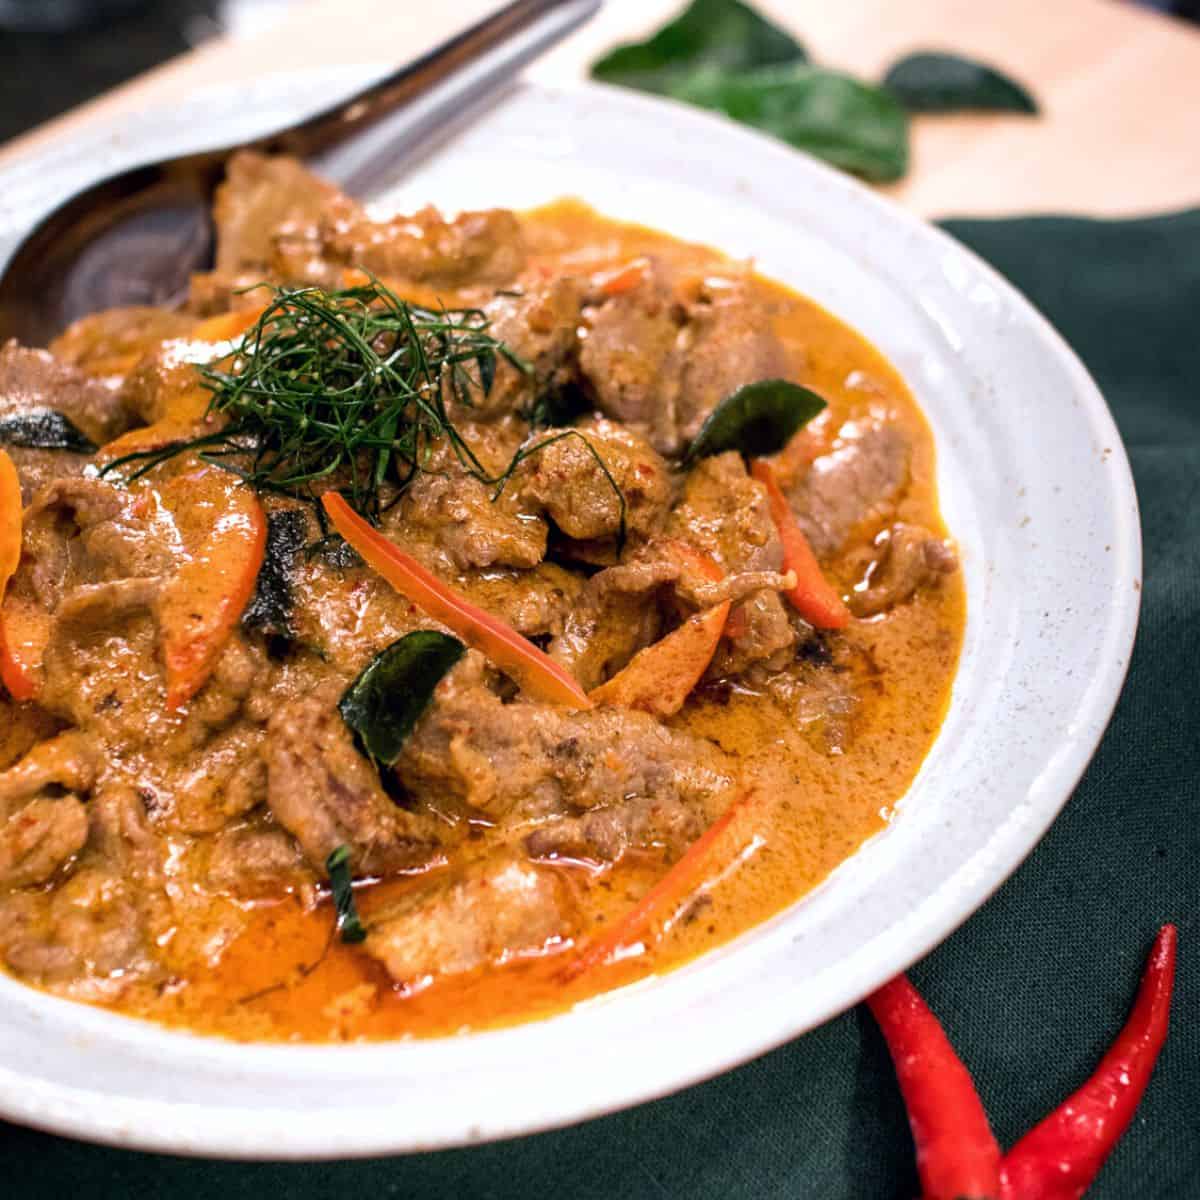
(1119, 87)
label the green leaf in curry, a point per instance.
(931, 82)
(853, 125)
(348, 923)
(384, 703)
(44, 429)
(757, 419)
(725, 34)
(270, 608)
(558, 404)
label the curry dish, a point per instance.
(433, 623)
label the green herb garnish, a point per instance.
(757, 419)
(387, 699)
(44, 429)
(928, 82)
(353, 384)
(348, 925)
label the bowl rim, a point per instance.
(263, 1131)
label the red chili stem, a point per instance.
(1058, 1159)
(957, 1156)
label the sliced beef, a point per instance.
(464, 518)
(539, 322)
(256, 859)
(224, 779)
(90, 531)
(38, 838)
(120, 832)
(98, 605)
(493, 913)
(84, 641)
(724, 512)
(908, 557)
(662, 354)
(164, 387)
(485, 247)
(762, 631)
(419, 253)
(67, 762)
(818, 698)
(37, 469)
(275, 217)
(471, 528)
(207, 767)
(86, 936)
(33, 381)
(669, 561)
(727, 342)
(326, 794)
(344, 616)
(261, 199)
(605, 629)
(624, 608)
(211, 293)
(111, 342)
(604, 835)
(537, 602)
(631, 361)
(91, 935)
(90, 579)
(335, 612)
(86, 546)
(854, 486)
(580, 493)
(531, 760)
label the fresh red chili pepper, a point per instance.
(1058, 1159)
(957, 1156)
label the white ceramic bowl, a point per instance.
(1035, 485)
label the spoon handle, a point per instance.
(361, 138)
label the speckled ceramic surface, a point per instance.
(1035, 486)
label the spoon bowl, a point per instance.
(137, 237)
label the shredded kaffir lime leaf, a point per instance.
(352, 384)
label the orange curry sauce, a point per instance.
(279, 975)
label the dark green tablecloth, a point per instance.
(1032, 988)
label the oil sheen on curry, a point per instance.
(435, 623)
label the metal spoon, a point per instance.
(137, 237)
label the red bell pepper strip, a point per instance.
(225, 530)
(226, 326)
(623, 278)
(16, 674)
(660, 678)
(1058, 1159)
(663, 899)
(10, 519)
(957, 1155)
(517, 656)
(813, 597)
